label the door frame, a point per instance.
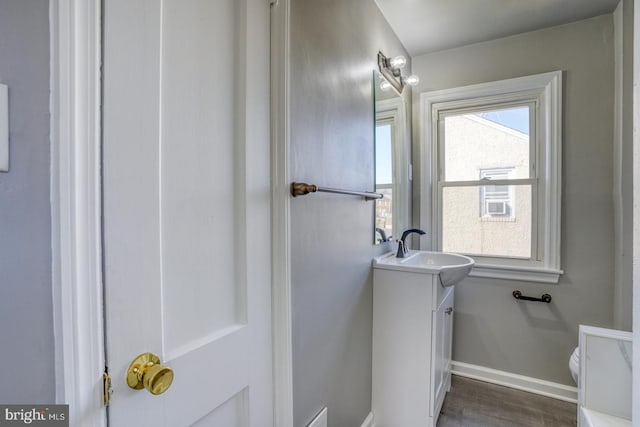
(76, 210)
(76, 230)
(280, 216)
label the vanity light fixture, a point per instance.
(390, 68)
(384, 84)
(398, 62)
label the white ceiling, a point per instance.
(430, 25)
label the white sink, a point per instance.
(450, 267)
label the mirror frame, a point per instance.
(395, 109)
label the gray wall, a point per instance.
(491, 328)
(26, 331)
(334, 44)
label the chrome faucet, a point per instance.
(402, 244)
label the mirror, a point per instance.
(392, 170)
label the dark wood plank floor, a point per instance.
(473, 403)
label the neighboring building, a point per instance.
(486, 219)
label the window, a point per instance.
(494, 194)
(496, 201)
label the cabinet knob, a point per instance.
(449, 310)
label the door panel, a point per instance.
(199, 145)
(186, 185)
(231, 413)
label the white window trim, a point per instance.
(547, 88)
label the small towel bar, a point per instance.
(518, 295)
(301, 188)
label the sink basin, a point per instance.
(450, 267)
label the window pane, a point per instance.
(384, 154)
(486, 139)
(514, 118)
(478, 225)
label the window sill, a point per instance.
(525, 274)
(489, 218)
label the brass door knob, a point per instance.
(146, 372)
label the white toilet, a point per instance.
(574, 364)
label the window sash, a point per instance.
(530, 101)
(536, 249)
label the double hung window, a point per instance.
(494, 151)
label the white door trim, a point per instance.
(76, 242)
(281, 280)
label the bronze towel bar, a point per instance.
(545, 298)
(301, 188)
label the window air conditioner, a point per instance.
(496, 207)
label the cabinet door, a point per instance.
(441, 352)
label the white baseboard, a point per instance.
(519, 382)
(368, 422)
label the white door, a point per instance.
(187, 209)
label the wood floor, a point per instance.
(473, 403)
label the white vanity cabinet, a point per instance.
(442, 328)
(412, 326)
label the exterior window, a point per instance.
(496, 201)
(494, 152)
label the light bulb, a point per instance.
(385, 85)
(398, 62)
(412, 80)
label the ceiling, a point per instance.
(425, 26)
